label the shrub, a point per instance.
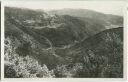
(23, 66)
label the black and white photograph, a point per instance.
(63, 39)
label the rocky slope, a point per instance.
(59, 29)
(101, 54)
(67, 45)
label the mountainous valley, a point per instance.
(62, 43)
(105, 19)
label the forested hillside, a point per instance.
(39, 44)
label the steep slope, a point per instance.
(26, 42)
(105, 19)
(69, 46)
(101, 55)
(70, 30)
(60, 30)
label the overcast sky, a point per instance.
(108, 7)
